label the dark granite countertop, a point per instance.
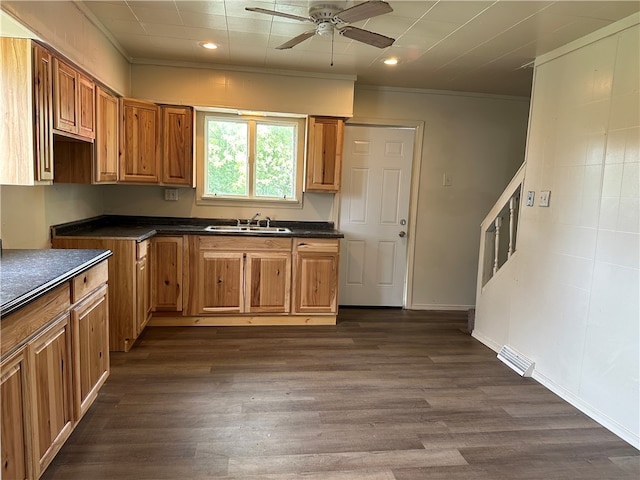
(141, 228)
(26, 275)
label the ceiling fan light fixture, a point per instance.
(390, 61)
(208, 45)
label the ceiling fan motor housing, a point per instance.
(324, 12)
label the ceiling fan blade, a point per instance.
(279, 14)
(369, 9)
(365, 36)
(296, 40)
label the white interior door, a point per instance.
(374, 211)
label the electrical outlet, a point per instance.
(447, 179)
(531, 196)
(171, 194)
(544, 198)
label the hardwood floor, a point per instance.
(384, 394)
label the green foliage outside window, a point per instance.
(234, 169)
(275, 160)
(227, 158)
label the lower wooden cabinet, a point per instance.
(129, 286)
(90, 327)
(268, 282)
(219, 282)
(234, 275)
(52, 405)
(166, 273)
(143, 294)
(55, 358)
(315, 275)
(15, 427)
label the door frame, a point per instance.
(418, 127)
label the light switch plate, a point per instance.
(447, 179)
(171, 194)
(544, 198)
(531, 196)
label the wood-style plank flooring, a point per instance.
(384, 394)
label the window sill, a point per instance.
(248, 202)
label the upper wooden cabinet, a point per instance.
(73, 101)
(139, 141)
(26, 134)
(106, 142)
(156, 143)
(324, 154)
(177, 145)
(43, 110)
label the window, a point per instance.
(252, 158)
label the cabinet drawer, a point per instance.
(28, 320)
(88, 281)
(245, 244)
(328, 245)
(141, 249)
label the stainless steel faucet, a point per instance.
(249, 222)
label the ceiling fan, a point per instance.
(330, 18)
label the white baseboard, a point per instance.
(625, 434)
(619, 430)
(486, 341)
(439, 306)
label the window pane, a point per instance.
(226, 158)
(275, 165)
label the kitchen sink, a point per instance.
(246, 229)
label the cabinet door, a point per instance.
(90, 327)
(106, 143)
(324, 156)
(15, 454)
(268, 280)
(86, 107)
(43, 109)
(65, 97)
(143, 295)
(177, 151)
(315, 276)
(50, 373)
(166, 274)
(219, 282)
(139, 141)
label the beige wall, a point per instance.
(27, 212)
(63, 26)
(148, 200)
(570, 299)
(477, 140)
(251, 90)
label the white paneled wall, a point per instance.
(574, 292)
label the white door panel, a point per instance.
(374, 203)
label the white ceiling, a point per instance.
(477, 46)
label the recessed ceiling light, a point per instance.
(391, 61)
(208, 45)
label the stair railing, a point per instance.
(494, 251)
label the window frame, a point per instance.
(203, 198)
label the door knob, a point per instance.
(402, 234)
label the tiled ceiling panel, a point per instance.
(475, 46)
